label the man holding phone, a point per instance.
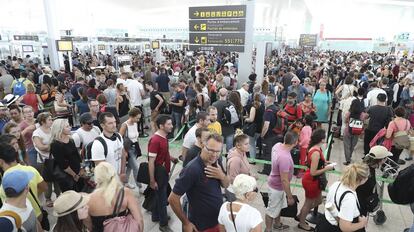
(201, 180)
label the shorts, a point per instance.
(154, 115)
(277, 201)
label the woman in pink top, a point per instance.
(237, 162)
(304, 138)
(398, 124)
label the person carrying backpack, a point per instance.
(227, 116)
(399, 130)
(19, 86)
(292, 110)
(109, 146)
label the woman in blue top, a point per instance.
(322, 101)
(81, 105)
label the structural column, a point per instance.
(56, 59)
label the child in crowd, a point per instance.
(304, 138)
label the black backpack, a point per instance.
(390, 94)
(88, 148)
(401, 191)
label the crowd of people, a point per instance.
(77, 132)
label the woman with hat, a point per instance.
(71, 210)
(374, 159)
(239, 215)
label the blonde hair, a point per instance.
(107, 181)
(57, 128)
(243, 184)
(354, 174)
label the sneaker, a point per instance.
(346, 163)
(165, 229)
(280, 227)
(408, 158)
(401, 162)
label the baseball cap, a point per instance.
(86, 118)
(14, 182)
(379, 152)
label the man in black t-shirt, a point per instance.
(178, 102)
(379, 117)
(269, 138)
(157, 103)
(201, 135)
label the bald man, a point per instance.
(227, 130)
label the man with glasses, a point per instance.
(201, 180)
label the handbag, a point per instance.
(356, 126)
(121, 223)
(291, 210)
(400, 138)
(373, 201)
(45, 221)
(323, 181)
(249, 129)
(143, 173)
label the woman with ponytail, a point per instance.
(342, 208)
(102, 200)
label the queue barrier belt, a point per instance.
(262, 179)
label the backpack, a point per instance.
(88, 148)
(400, 138)
(230, 115)
(17, 219)
(356, 126)
(281, 123)
(19, 88)
(401, 191)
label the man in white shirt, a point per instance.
(136, 93)
(87, 132)
(244, 94)
(109, 146)
(373, 93)
(203, 120)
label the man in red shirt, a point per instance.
(159, 169)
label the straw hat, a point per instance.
(69, 202)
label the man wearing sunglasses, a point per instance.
(87, 132)
(201, 180)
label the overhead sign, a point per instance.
(217, 38)
(26, 37)
(217, 28)
(213, 25)
(155, 44)
(101, 47)
(206, 12)
(64, 45)
(308, 40)
(27, 48)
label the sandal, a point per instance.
(302, 228)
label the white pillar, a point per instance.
(53, 33)
(260, 59)
(245, 58)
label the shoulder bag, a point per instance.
(121, 223)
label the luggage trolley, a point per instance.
(389, 170)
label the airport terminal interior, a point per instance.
(210, 116)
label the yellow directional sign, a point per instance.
(204, 40)
(196, 14)
(203, 26)
(196, 39)
(196, 27)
